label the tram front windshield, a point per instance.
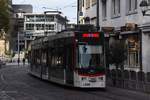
(90, 56)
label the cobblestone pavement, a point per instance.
(17, 84)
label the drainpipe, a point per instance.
(140, 38)
(97, 14)
(78, 12)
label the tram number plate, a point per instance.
(92, 79)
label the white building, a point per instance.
(39, 25)
(119, 14)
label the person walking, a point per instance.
(18, 61)
(23, 60)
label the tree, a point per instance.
(4, 15)
(117, 53)
(4, 20)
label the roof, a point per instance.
(38, 42)
(54, 14)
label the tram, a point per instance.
(74, 58)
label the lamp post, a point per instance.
(144, 7)
(18, 36)
(45, 24)
(78, 11)
(18, 48)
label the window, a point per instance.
(50, 27)
(30, 19)
(133, 51)
(148, 1)
(29, 26)
(115, 8)
(40, 18)
(90, 56)
(39, 26)
(93, 2)
(82, 3)
(133, 59)
(104, 9)
(49, 18)
(87, 4)
(131, 6)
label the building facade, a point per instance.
(39, 25)
(18, 34)
(123, 17)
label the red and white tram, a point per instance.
(74, 58)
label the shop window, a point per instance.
(133, 51)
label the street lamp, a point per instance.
(144, 7)
(18, 35)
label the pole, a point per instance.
(97, 12)
(45, 24)
(18, 49)
(140, 38)
(77, 12)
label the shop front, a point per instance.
(132, 43)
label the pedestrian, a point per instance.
(18, 61)
(23, 60)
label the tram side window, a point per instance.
(69, 57)
(44, 57)
(57, 57)
(60, 60)
(38, 57)
(35, 56)
(49, 57)
(53, 60)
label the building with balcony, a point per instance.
(123, 17)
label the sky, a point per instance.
(68, 7)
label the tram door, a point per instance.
(69, 64)
(44, 67)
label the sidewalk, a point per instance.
(16, 64)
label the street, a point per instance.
(17, 84)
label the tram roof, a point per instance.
(60, 35)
